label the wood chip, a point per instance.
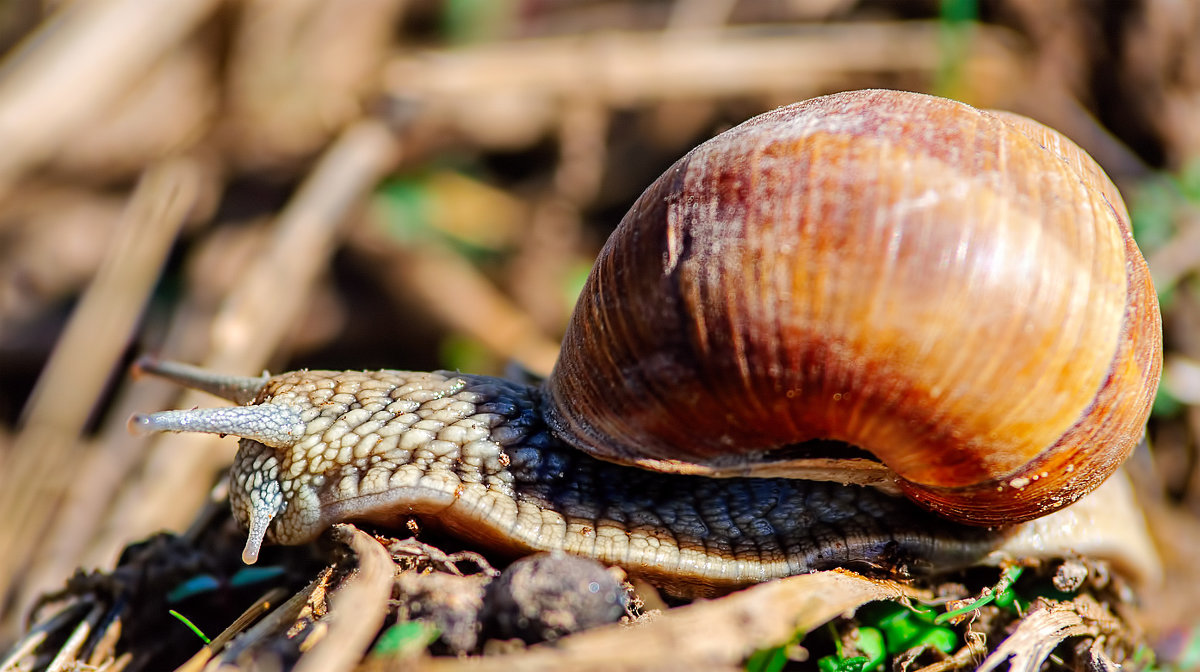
(358, 606)
(715, 634)
(1042, 629)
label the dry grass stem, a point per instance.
(507, 93)
(479, 310)
(1036, 637)
(78, 63)
(46, 453)
(299, 71)
(67, 658)
(358, 606)
(277, 621)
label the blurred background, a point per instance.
(254, 184)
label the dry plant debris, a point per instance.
(312, 177)
(383, 600)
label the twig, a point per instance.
(45, 453)
(77, 64)
(357, 608)
(67, 657)
(435, 272)
(489, 91)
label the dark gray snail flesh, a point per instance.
(471, 454)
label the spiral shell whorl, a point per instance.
(954, 290)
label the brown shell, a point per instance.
(954, 290)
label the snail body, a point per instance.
(818, 273)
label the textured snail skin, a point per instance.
(470, 454)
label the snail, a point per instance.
(871, 288)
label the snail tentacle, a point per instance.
(238, 389)
(265, 502)
(275, 425)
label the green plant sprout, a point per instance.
(888, 629)
(405, 639)
(1001, 593)
(191, 626)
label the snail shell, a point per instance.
(953, 290)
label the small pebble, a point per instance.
(547, 596)
(1070, 575)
